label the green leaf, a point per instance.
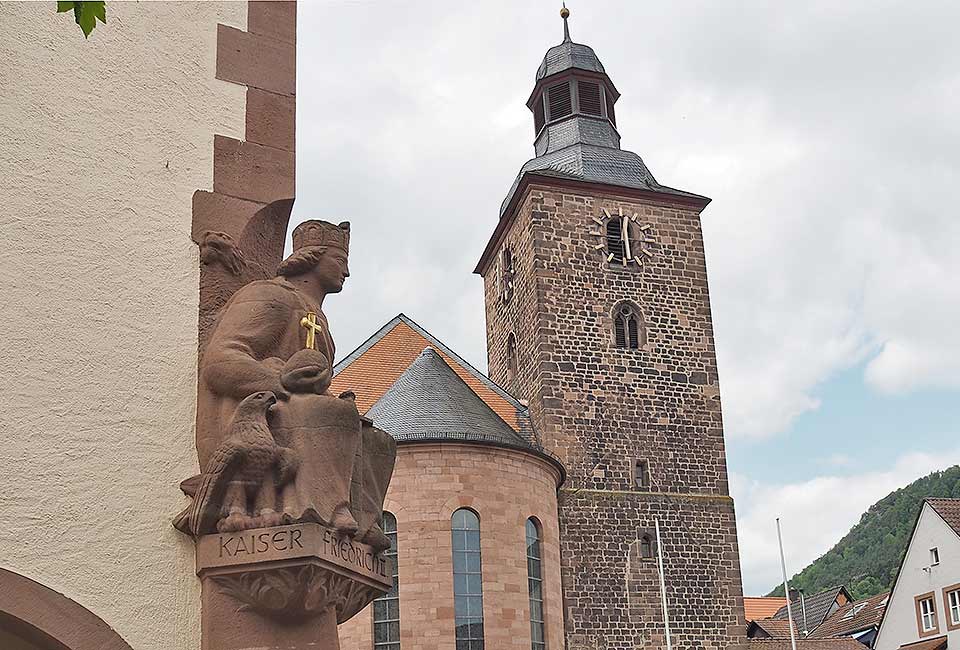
(64, 6)
(85, 18)
(99, 10)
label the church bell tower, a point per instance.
(598, 315)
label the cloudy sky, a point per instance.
(826, 134)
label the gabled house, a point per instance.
(923, 612)
(859, 620)
(810, 611)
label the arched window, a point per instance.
(386, 608)
(646, 547)
(627, 326)
(467, 580)
(535, 585)
(511, 357)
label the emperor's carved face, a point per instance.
(331, 271)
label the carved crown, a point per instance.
(322, 233)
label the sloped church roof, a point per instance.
(431, 402)
(417, 389)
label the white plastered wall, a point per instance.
(102, 144)
(918, 577)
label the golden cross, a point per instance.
(310, 323)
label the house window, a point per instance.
(535, 585)
(627, 327)
(934, 556)
(641, 475)
(386, 608)
(467, 580)
(646, 547)
(927, 615)
(951, 605)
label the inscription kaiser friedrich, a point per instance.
(292, 542)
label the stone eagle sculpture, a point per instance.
(238, 487)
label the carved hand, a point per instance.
(307, 371)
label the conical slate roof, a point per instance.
(431, 402)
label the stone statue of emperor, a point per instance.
(272, 335)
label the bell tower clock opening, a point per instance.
(608, 335)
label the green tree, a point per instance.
(866, 560)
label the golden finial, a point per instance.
(565, 13)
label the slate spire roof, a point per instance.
(568, 54)
(431, 402)
(580, 146)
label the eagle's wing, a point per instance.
(201, 516)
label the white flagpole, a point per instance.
(663, 587)
(786, 588)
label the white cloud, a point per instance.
(814, 514)
(825, 136)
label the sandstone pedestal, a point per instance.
(284, 587)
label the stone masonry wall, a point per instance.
(601, 408)
(504, 488)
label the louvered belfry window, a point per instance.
(615, 245)
(627, 327)
(538, 116)
(559, 100)
(589, 92)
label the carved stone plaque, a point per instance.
(307, 540)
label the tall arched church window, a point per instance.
(511, 357)
(627, 326)
(535, 585)
(386, 608)
(467, 580)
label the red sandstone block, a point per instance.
(271, 119)
(275, 19)
(255, 60)
(252, 171)
(213, 211)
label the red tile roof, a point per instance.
(869, 613)
(757, 608)
(936, 643)
(840, 643)
(949, 509)
(774, 628)
(376, 365)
